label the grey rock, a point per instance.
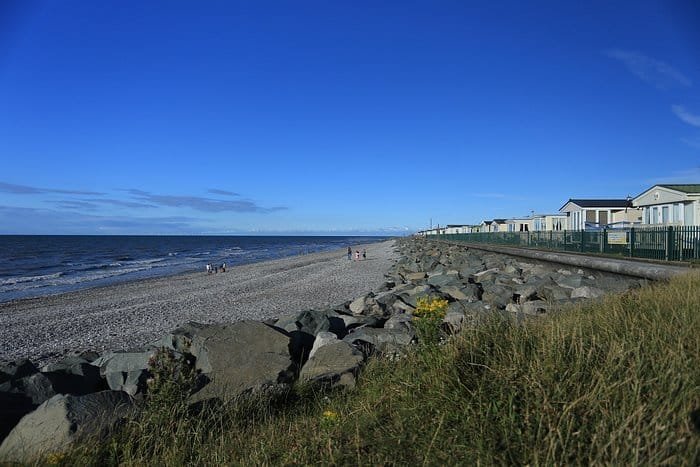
(441, 280)
(400, 322)
(60, 421)
(569, 282)
(322, 338)
(74, 375)
(20, 396)
(246, 356)
(454, 321)
(335, 364)
(416, 276)
(484, 276)
(469, 293)
(390, 342)
(16, 370)
(587, 292)
(497, 295)
(535, 307)
(125, 371)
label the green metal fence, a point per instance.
(660, 243)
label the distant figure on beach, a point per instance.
(349, 253)
(357, 255)
(208, 268)
(364, 254)
(223, 267)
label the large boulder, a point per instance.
(74, 375)
(304, 326)
(334, 364)
(16, 370)
(389, 342)
(323, 338)
(60, 421)
(125, 371)
(20, 396)
(246, 356)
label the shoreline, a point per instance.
(133, 313)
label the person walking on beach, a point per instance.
(357, 255)
(364, 254)
(223, 267)
(349, 253)
(208, 268)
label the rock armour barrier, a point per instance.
(628, 267)
(43, 408)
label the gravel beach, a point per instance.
(124, 316)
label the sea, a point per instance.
(39, 265)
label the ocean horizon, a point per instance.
(39, 265)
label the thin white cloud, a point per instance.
(650, 70)
(689, 175)
(200, 203)
(687, 117)
(32, 190)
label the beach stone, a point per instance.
(587, 292)
(553, 292)
(20, 396)
(335, 364)
(60, 421)
(416, 276)
(535, 307)
(400, 306)
(569, 281)
(484, 276)
(74, 375)
(17, 369)
(454, 321)
(468, 293)
(358, 305)
(322, 338)
(525, 292)
(304, 326)
(246, 356)
(400, 322)
(440, 280)
(388, 342)
(496, 295)
(125, 371)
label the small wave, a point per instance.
(25, 279)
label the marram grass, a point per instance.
(612, 382)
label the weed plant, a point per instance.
(611, 382)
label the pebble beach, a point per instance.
(125, 316)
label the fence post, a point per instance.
(603, 239)
(669, 242)
(632, 242)
(580, 243)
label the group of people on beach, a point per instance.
(215, 269)
(357, 254)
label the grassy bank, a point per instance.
(613, 382)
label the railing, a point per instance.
(660, 243)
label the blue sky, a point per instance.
(319, 117)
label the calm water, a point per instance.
(33, 265)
